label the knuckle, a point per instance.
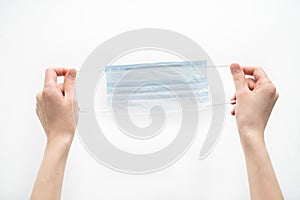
(49, 69)
(47, 92)
(237, 77)
(260, 69)
(270, 88)
(38, 96)
(277, 95)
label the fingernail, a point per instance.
(235, 68)
(72, 73)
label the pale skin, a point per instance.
(255, 98)
(57, 112)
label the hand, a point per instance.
(56, 106)
(57, 110)
(255, 98)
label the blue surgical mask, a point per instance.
(168, 84)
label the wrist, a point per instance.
(60, 142)
(252, 140)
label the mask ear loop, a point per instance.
(232, 102)
(218, 66)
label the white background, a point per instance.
(38, 34)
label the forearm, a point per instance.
(50, 177)
(262, 179)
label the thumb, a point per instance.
(69, 83)
(238, 78)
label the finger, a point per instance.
(251, 83)
(69, 83)
(61, 87)
(233, 111)
(233, 100)
(233, 97)
(239, 78)
(258, 73)
(51, 75)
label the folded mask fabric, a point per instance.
(172, 85)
